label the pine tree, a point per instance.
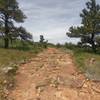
(42, 39)
(9, 14)
(90, 24)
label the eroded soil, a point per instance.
(52, 75)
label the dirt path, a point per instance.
(52, 76)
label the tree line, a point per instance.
(88, 31)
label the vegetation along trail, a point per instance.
(52, 75)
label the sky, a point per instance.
(52, 18)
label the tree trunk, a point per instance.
(93, 42)
(6, 42)
(93, 46)
(6, 39)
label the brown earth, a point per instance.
(52, 75)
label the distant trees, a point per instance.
(9, 14)
(90, 28)
(43, 42)
(41, 39)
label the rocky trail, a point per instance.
(52, 75)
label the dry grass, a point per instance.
(91, 69)
(12, 56)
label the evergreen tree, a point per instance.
(90, 24)
(9, 14)
(43, 42)
(42, 39)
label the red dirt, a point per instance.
(52, 75)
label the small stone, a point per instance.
(5, 82)
(85, 85)
(7, 69)
(11, 85)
